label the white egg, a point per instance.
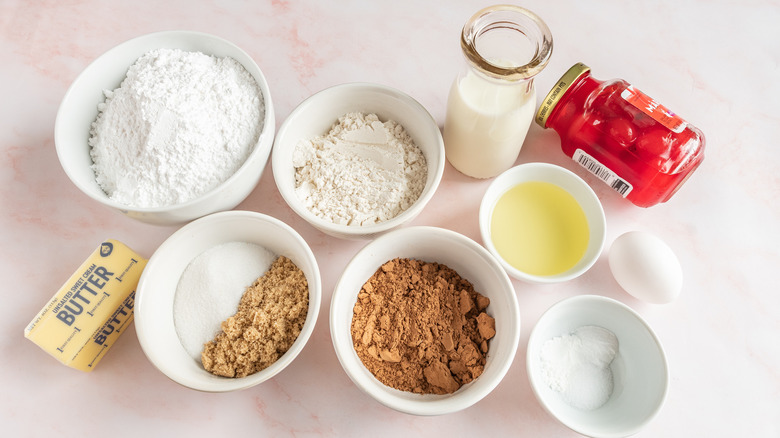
(646, 267)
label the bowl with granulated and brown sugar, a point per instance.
(425, 321)
(228, 301)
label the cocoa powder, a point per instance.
(420, 327)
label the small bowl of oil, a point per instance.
(542, 222)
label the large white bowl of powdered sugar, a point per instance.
(167, 127)
(357, 160)
(228, 301)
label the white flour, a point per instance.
(362, 172)
(179, 124)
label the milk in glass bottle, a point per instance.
(492, 101)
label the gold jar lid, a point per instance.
(554, 96)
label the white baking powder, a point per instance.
(577, 366)
(362, 172)
(179, 124)
(210, 289)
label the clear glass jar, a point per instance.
(625, 138)
(492, 101)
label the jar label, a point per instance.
(602, 172)
(650, 107)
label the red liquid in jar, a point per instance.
(631, 142)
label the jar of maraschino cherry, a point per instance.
(628, 140)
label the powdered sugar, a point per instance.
(362, 172)
(180, 124)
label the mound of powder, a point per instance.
(179, 124)
(420, 327)
(362, 172)
(577, 366)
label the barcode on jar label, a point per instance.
(602, 172)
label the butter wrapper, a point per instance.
(92, 309)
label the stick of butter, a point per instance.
(84, 319)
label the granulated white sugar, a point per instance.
(210, 289)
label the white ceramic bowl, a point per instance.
(640, 372)
(317, 114)
(79, 109)
(472, 262)
(154, 320)
(565, 179)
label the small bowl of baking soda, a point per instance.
(167, 127)
(597, 367)
(357, 160)
(228, 301)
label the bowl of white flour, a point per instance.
(167, 127)
(359, 159)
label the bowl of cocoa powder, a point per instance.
(425, 321)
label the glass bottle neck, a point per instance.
(506, 43)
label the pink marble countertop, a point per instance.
(715, 63)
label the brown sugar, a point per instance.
(269, 319)
(420, 327)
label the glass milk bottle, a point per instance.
(492, 101)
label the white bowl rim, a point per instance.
(484, 225)
(381, 227)
(536, 385)
(268, 120)
(231, 384)
(428, 407)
